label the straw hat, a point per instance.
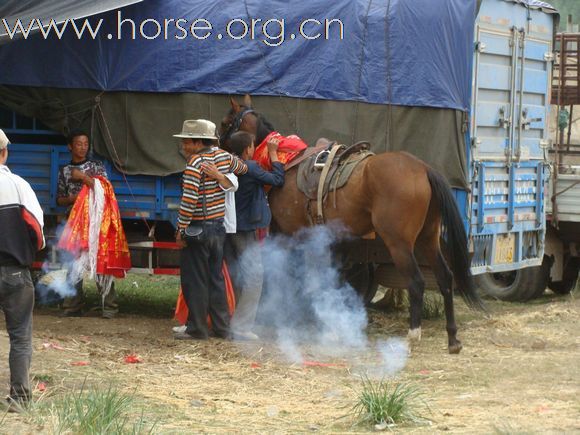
(197, 129)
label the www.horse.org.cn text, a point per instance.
(271, 31)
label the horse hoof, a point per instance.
(454, 349)
(414, 335)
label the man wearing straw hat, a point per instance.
(201, 232)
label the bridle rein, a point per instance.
(235, 125)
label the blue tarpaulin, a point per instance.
(405, 52)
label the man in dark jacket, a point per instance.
(21, 236)
(252, 213)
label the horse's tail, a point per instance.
(454, 233)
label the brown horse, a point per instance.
(407, 203)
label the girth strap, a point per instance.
(323, 174)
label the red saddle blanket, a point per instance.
(288, 148)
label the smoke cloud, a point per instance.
(53, 285)
(309, 309)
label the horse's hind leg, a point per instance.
(408, 267)
(432, 251)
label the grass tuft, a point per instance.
(389, 402)
(509, 429)
(90, 411)
(433, 307)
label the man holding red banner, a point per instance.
(71, 179)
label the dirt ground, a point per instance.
(519, 372)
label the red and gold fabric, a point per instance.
(288, 148)
(113, 256)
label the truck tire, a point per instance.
(569, 278)
(515, 286)
(361, 276)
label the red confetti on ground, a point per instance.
(255, 365)
(321, 364)
(41, 386)
(132, 359)
(79, 363)
(542, 409)
(424, 372)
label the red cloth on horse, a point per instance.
(113, 256)
(181, 310)
(288, 148)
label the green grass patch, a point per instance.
(147, 295)
(433, 307)
(42, 377)
(510, 429)
(389, 403)
(90, 411)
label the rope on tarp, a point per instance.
(291, 118)
(388, 77)
(359, 80)
(101, 120)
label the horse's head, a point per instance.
(242, 117)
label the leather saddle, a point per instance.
(331, 164)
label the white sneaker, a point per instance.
(181, 328)
(244, 336)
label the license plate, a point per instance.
(504, 249)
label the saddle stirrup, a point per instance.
(325, 169)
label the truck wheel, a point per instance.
(569, 278)
(515, 286)
(361, 277)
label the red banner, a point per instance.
(113, 256)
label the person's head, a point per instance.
(242, 145)
(78, 145)
(193, 146)
(196, 134)
(3, 147)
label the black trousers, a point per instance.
(17, 301)
(202, 282)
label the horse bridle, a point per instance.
(235, 125)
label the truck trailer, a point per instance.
(465, 87)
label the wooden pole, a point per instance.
(569, 128)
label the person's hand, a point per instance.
(78, 175)
(179, 240)
(211, 171)
(273, 144)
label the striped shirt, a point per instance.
(191, 208)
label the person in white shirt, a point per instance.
(21, 236)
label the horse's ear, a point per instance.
(247, 100)
(234, 104)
